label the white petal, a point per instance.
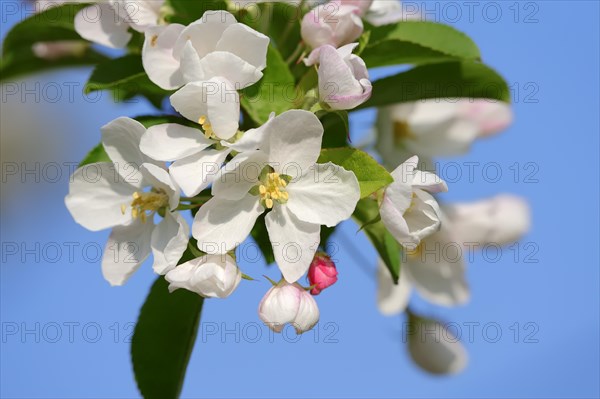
(141, 14)
(169, 242)
(246, 43)
(204, 34)
(451, 137)
(239, 175)
(434, 348)
(215, 99)
(294, 242)
(100, 24)
(126, 249)
(490, 116)
(325, 195)
(121, 140)
(500, 220)
(294, 142)
(438, 271)
(157, 56)
(221, 225)
(194, 173)
(231, 67)
(308, 312)
(190, 102)
(158, 177)
(96, 194)
(171, 141)
(280, 306)
(422, 218)
(392, 299)
(217, 276)
(191, 69)
(429, 182)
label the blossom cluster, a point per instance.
(232, 177)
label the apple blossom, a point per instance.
(431, 270)
(407, 210)
(260, 181)
(384, 12)
(362, 5)
(437, 127)
(500, 220)
(108, 22)
(434, 348)
(125, 196)
(332, 23)
(343, 76)
(196, 155)
(211, 276)
(216, 45)
(288, 303)
(322, 273)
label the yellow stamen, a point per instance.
(269, 203)
(271, 189)
(145, 204)
(402, 132)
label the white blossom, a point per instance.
(288, 303)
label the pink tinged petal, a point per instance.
(294, 142)
(490, 116)
(196, 172)
(159, 178)
(121, 139)
(308, 312)
(280, 306)
(205, 33)
(99, 23)
(438, 352)
(349, 25)
(338, 85)
(326, 195)
(231, 67)
(239, 175)
(171, 141)
(315, 32)
(126, 249)
(392, 299)
(294, 242)
(362, 5)
(451, 137)
(158, 59)
(169, 242)
(246, 43)
(429, 182)
(221, 225)
(438, 271)
(96, 194)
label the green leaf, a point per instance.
(370, 174)
(336, 127)
(186, 11)
(275, 92)
(363, 42)
(126, 78)
(25, 62)
(464, 79)
(417, 42)
(97, 154)
(163, 339)
(279, 21)
(388, 248)
(54, 24)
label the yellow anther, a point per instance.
(202, 120)
(145, 204)
(269, 203)
(262, 189)
(402, 132)
(272, 189)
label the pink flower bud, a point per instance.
(322, 273)
(332, 23)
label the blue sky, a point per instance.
(54, 308)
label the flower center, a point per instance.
(402, 132)
(145, 204)
(207, 127)
(271, 189)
